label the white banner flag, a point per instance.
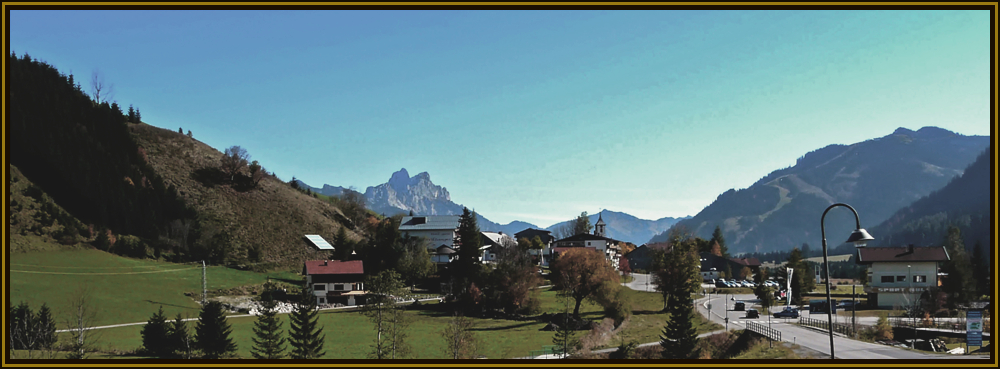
(788, 282)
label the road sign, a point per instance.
(974, 328)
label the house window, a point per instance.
(920, 279)
(900, 278)
(322, 300)
(319, 287)
(338, 287)
(887, 279)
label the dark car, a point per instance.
(787, 313)
(753, 314)
(739, 306)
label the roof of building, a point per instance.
(586, 237)
(532, 231)
(493, 238)
(314, 267)
(600, 219)
(445, 250)
(429, 222)
(746, 261)
(869, 255)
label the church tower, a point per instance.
(599, 226)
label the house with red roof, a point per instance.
(336, 282)
(899, 276)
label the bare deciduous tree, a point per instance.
(235, 159)
(101, 90)
(460, 340)
(80, 317)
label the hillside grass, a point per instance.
(124, 290)
(272, 217)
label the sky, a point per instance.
(531, 115)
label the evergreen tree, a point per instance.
(179, 339)
(466, 268)
(958, 284)
(679, 337)
(131, 113)
(46, 327)
(341, 249)
(155, 338)
(138, 116)
(582, 224)
(212, 334)
(305, 335)
(565, 337)
(267, 341)
(981, 269)
(802, 278)
(22, 326)
(717, 237)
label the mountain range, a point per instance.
(403, 194)
(877, 177)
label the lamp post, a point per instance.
(859, 237)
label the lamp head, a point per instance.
(860, 237)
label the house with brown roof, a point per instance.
(336, 282)
(899, 276)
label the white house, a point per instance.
(438, 230)
(898, 276)
(336, 281)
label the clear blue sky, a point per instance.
(532, 115)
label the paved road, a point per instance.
(818, 340)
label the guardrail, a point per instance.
(841, 328)
(764, 330)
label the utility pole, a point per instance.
(854, 310)
(204, 284)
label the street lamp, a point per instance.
(859, 237)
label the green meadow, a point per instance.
(128, 290)
(123, 290)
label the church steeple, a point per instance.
(599, 226)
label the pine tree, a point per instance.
(959, 284)
(212, 334)
(304, 335)
(717, 237)
(46, 327)
(267, 341)
(179, 339)
(131, 113)
(679, 337)
(340, 247)
(155, 338)
(138, 117)
(565, 337)
(466, 268)
(981, 269)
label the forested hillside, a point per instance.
(143, 191)
(965, 202)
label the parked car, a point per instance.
(721, 284)
(848, 305)
(739, 306)
(753, 314)
(787, 312)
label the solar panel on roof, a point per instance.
(318, 242)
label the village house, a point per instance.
(545, 236)
(606, 246)
(336, 282)
(899, 276)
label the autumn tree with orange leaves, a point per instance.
(582, 273)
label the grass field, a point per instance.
(129, 290)
(125, 290)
